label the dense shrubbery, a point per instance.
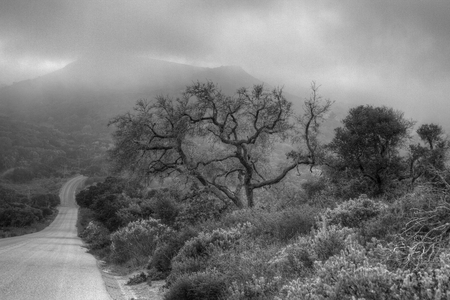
(354, 212)
(279, 225)
(19, 211)
(138, 240)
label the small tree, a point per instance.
(221, 142)
(429, 160)
(367, 145)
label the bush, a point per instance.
(329, 240)
(353, 213)
(47, 211)
(19, 216)
(20, 175)
(200, 208)
(256, 288)
(96, 235)
(164, 208)
(160, 263)
(138, 240)
(313, 187)
(208, 285)
(280, 225)
(194, 255)
(353, 275)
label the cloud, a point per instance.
(387, 50)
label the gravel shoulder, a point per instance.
(118, 289)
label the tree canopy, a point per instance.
(368, 144)
(223, 143)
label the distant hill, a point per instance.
(92, 90)
(69, 109)
(58, 122)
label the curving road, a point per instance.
(51, 264)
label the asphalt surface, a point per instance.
(51, 264)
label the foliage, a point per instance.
(429, 161)
(36, 149)
(355, 275)
(199, 208)
(368, 145)
(353, 213)
(313, 187)
(19, 211)
(19, 216)
(207, 285)
(160, 263)
(138, 240)
(165, 208)
(96, 235)
(221, 143)
(194, 255)
(279, 225)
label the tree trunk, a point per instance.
(249, 195)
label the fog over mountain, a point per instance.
(103, 87)
(360, 51)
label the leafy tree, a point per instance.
(367, 146)
(223, 143)
(431, 133)
(429, 161)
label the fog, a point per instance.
(376, 52)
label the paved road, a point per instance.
(51, 264)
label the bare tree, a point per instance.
(223, 143)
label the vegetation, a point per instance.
(221, 143)
(370, 222)
(20, 214)
(367, 146)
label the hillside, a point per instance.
(58, 122)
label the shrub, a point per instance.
(353, 275)
(207, 285)
(165, 208)
(47, 211)
(280, 225)
(255, 288)
(20, 175)
(200, 208)
(96, 235)
(353, 213)
(128, 214)
(160, 263)
(313, 187)
(138, 240)
(19, 216)
(195, 254)
(295, 260)
(329, 240)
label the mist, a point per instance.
(381, 53)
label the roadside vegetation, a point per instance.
(234, 220)
(28, 208)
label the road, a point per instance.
(51, 264)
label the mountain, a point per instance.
(102, 87)
(58, 122)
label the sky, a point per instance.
(383, 52)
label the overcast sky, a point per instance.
(385, 51)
